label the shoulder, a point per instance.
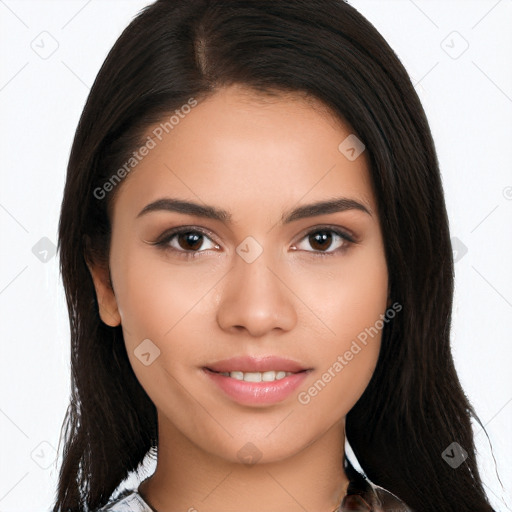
(128, 501)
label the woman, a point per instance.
(259, 269)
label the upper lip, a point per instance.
(256, 364)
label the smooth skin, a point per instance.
(305, 298)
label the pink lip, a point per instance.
(254, 393)
(256, 364)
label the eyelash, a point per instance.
(163, 241)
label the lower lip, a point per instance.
(250, 393)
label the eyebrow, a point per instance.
(339, 204)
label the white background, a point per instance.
(468, 99)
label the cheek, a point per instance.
(349, 294)
(346, 361)
(340, 383)
(169, 305)
(154, 299)
(152, 294)
(353, 300)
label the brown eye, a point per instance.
(321, 240)
(186, 241)
(190, 241)
(325, 241)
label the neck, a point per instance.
(188, 478)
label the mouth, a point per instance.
(257, 381)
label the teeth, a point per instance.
(252, 376)
(257, 376)
(268, 376)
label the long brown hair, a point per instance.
(414, 406)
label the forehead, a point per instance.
(250, 149)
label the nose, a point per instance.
(255, 299)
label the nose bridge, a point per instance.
(253, 296)
(256, 279)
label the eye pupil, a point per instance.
(320, 240)
(190, 241)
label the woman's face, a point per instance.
(264, 272)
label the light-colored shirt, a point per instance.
(128, 501)
(362, 495)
